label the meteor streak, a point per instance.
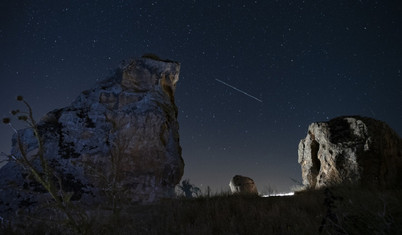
(234, 88)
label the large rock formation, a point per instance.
(355, 150)
(242, 185)
(120, 135)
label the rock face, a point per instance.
(242, 185)
(123, 132)
(355, 150)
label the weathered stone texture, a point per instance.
(353, 150)
(126, 127)
(242, 185)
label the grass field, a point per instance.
(341, 210)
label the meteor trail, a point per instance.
(234, 88)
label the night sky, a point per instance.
(307, 61)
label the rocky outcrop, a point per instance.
(354, 149)
(242, 185)
(120, 135)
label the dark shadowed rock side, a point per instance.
(122, 133)
(357, 150)
(242, 185)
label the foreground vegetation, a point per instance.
(341, 210)
(335, 210)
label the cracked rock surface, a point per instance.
(357, 150)
(123, 131)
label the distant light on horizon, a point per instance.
(248, 88)
(279, 194)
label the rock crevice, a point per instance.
(354, 149)
(124, 127)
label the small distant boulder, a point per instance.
(352, 150)
(242, 185)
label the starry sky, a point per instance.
(307, 61)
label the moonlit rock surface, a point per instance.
(242, 185)
(131, 117)
(355, 150)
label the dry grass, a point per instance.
(236, 215)
(342, 210)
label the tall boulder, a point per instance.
(123, 133)
(357, 150)
(242, 185)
